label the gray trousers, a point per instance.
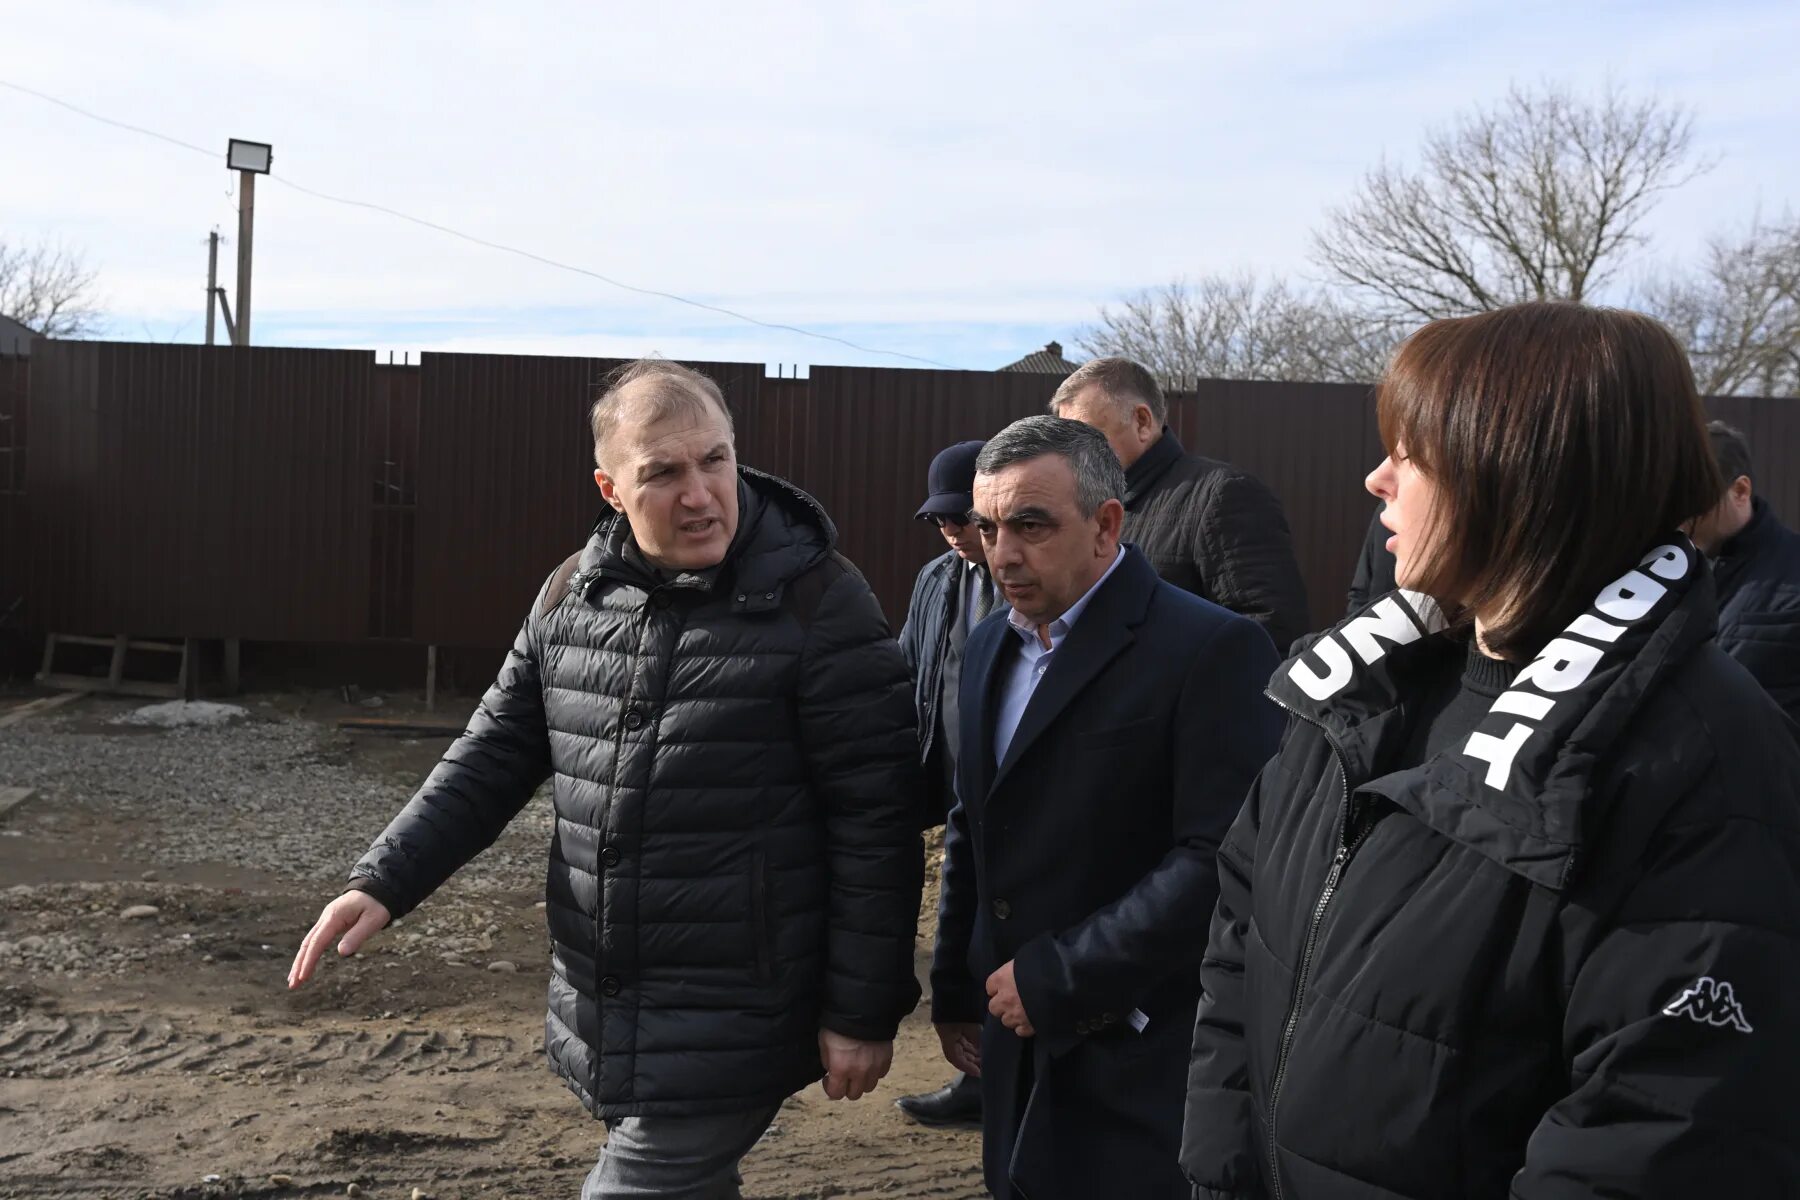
(676, 1158)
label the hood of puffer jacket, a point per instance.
(781, 532)
(1519, 790)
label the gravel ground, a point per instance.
(274, 794)
(152, 894)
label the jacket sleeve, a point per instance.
(1681, 1030)
(956, 995)
(1246, 556)
(483, 780)
(1224, 731)
(1218, 1133)
(912, 633)
(858, 731)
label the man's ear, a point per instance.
(1145, 423)
(1741, 489)
(609, 490)
(1111, 516)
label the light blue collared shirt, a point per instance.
(1022, 674)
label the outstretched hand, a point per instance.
(353, 918)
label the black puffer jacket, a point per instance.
(1759, 604)
(1210, 529)
(736, 860)
(1561, 960)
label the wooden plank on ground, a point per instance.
(32, 708)
(125, 687)
(403, 726)
(12, 797)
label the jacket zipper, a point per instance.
(612, 788)
(1347, 844)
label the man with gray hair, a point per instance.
(1111, 726)
(1204, 525)
(734, 878)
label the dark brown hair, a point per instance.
(1563, 441)
(1125, 383)
(1731, 450)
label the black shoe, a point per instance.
(956, 1103)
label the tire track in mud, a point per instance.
(57, 1046)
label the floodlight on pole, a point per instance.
(248, 159)
(249, 156)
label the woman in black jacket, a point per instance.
(1516, 908)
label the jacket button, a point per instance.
(609, 986)
(1002, 909)
(610, 856)
(634, 719)
(1107, 1018)
(1084, 1027)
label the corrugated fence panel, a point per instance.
(506, 482)
(15, 382)
(185, 491)
(869, 439)
(1311, 444)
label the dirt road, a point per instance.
(159, 1054)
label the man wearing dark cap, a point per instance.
(953, 594)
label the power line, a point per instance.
(480, 241)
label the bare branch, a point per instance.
(1740, 315)
(1542, 196)
(1237, 327)
(49, 289)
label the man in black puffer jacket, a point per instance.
(1756, 560)
(734, 878)
(1207, 527)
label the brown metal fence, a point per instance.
(15, 377)
(198, 492)
(505, 482)
(314, 496)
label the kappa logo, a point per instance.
(1711, 1002)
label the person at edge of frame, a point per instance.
(1513, 911)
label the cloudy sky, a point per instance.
(952, 181)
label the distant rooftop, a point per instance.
(1048, 361)
(15, 338)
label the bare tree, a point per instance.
(1239, 327)
(48, 288)
(1542, 196)
(1739, 316)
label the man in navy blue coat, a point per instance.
(1112, 725)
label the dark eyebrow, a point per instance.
(1033, 513)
